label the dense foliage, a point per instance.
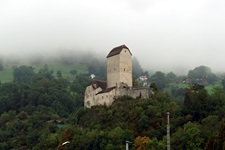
(31, 104)
(202, 74)
(43, 111)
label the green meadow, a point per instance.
(6, 75)
(208, 87)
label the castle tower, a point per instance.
(119, 66)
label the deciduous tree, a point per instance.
(141, 142)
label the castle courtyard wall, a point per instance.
(142, 93)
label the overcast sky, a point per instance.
(162, 34)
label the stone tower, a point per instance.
(119, 67)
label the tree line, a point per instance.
(42, 111)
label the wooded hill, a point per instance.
(42, 110)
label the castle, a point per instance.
(119, 80)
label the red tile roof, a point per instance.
(117, 50)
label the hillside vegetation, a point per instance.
(6, 75)
(42, 108)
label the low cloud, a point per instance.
(163, 35)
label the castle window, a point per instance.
(114, 69)
(102, 97)
(124, 69)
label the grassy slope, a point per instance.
(7, 74)
(208, 87)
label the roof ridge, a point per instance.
(117, 50)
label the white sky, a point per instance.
(168, 35)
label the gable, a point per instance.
(117, 50)
(96, 84)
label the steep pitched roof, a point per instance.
(97, 83)
(106, 90)
(117, 50)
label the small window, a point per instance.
(124, 69)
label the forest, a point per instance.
(42, 108)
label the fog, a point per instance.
(166, 35)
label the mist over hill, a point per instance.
(70, 57)
(49, 49)
(42, 106)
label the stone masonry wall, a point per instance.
(135, 93)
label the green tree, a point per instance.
(73, 71)
(171, 77)
(196, 102)
(223, 84)
(4, 146)
(217, 142)
(154, 87)
(155, 144)
(159, 79)
(201, 73)
(217, 102)
(143, 122)
(59, 74)
(46, 73)
(23, 74)
(9, 97)
(209, 123)
(118, 136)
(189, 137)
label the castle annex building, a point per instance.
(119, 80)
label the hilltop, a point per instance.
(42, 108)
